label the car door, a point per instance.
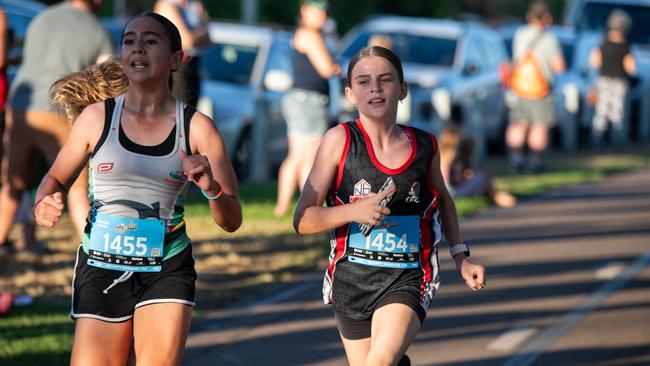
(277, 80)
(495, 107)
(473, 88)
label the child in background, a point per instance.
(462, 179)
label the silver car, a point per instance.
(452, 69)
(244, 75)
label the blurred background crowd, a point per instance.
(463, 60)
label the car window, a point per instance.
(228, 62)
(594, 18)
(494, 53)
(475, 52)
(412, 48)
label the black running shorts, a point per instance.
(93, 296)
(354, 329)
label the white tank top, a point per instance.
(130, 184)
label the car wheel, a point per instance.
(242, 156)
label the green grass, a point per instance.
(41, 334)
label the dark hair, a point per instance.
(379, 51)
(538, 9)
(173, 35)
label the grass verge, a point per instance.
(262, 255)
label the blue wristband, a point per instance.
(211, 198)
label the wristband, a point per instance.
(212, 198)
(459, 248)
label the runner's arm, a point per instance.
(446, 204)
(310, 216)
(208, 143)
(473, 274)
(72, 158)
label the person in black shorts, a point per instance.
(134, 280)
(387, 207)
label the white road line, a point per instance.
(610, 270)
(511, 339)
(527, 355)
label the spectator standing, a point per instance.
(614, 63)
(537, 58)
(191, 19)
(305, 107)
(64, 38)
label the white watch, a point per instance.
(459, 248)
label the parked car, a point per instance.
(244, 75)
(589, 17)
(114, 28)
(567, 87)
(452, 69)
(19, 14)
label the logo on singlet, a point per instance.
(361, 189)
(177, 178)
(104, 168)
(414, 193)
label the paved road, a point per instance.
(569, 284)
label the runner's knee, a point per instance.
(380, 356)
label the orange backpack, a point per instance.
(527, 77)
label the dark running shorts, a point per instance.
(359, 329)
(175, 283)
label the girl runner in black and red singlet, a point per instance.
(377, 173)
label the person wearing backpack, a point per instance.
(537, 58)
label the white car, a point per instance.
(244, 75)
(452, 69)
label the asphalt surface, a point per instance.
(568, 284)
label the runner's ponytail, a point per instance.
(75, 91)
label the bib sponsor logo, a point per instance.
(361, 190)
(104, 168)
(414, 193)
(121, 228)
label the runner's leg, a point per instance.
(356, 350)
(394, 327)
(100, 343)
(160, 332)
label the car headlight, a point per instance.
(441, 100)
(205, 106)
(571, 97)
(404, 110)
